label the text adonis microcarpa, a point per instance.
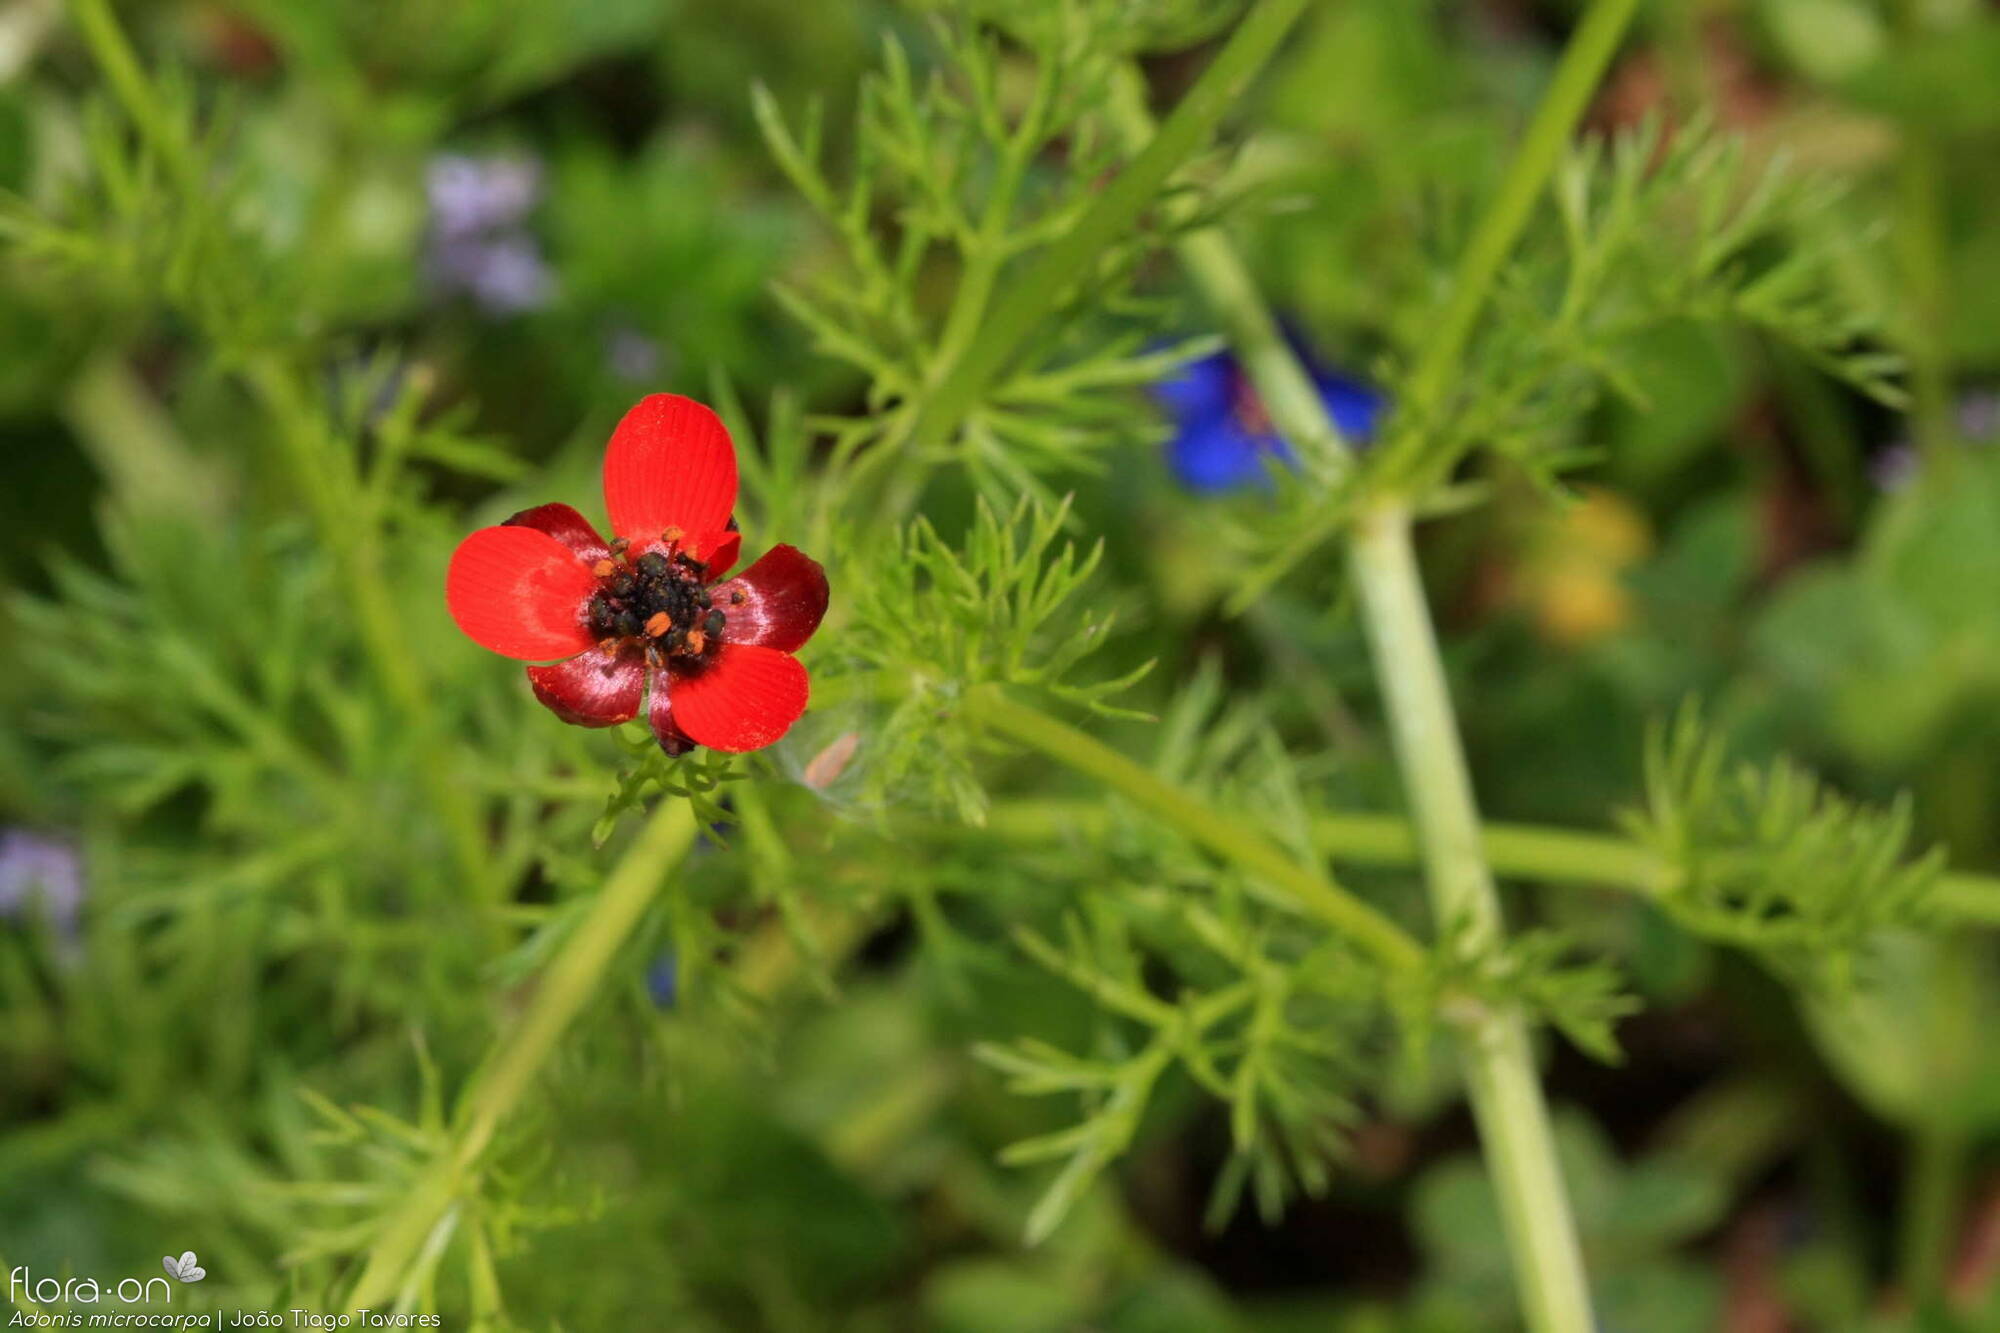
(219, 1319)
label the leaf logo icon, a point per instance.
(185, 1268)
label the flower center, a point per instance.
(661, 600)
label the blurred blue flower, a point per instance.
(40, 875)
(663, 981)
(473, 195)
(479, 245)
(1223, 438)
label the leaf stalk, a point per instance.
(517, 1056)
(1222, 834)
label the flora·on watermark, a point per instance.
(23, 1285)
(185, 1268)
(24, 1288)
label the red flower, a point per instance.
(645, 607)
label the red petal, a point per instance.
(594, 689)
(566, 526)
(660, 713)
(743, 699)
(519, 592)
(723, 551)
(669, 465)
(784, 595)
(717, 550)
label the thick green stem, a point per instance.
(1423, 726)
(1500, 1072)
(518, 1056)
(1221, 834)
(1506, 1098)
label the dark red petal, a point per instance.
(660, 713)
(743, 698)
(566, 526)
(519, 592)
(784, 595)
(669, 465)
(594, 689)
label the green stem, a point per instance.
(1560, 856)
(1117, 211)
(1422, 724)
(1500, 1072)
(1563, 857)
(1583, 63)
(1227, 837)
(130, 85)
(1514, 850)
(1921, 248)
(1932, 1186)
(517, 1057)
(1939, 1139)
(1523, 851)
(133, 443)
(1528, 852)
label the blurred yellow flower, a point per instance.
(1568, 577)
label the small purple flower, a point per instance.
(632, 356)
(1893, 468)
(471, 195)
(505, 275)
(1223, 439)
(479, 245)
(40, 875)
(1979, 415)
(663, 981)
(1895, 465)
